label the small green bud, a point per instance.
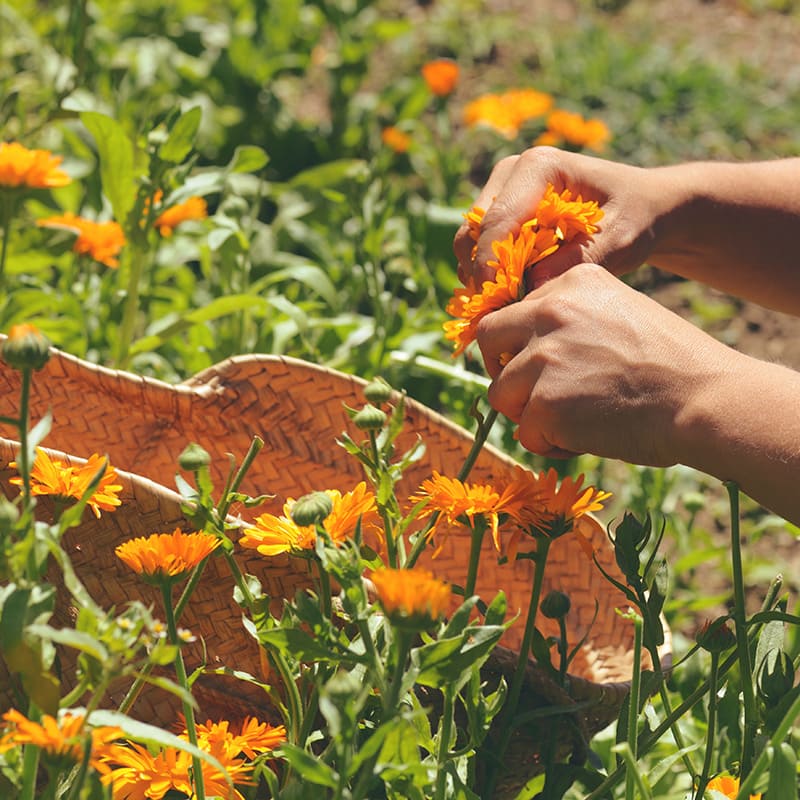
(776, 677)
(311, 509)
(693, 502)
(194, 457)
(26, 347)
(555, 605)
(370, 418)
(715, 636)
(377, 391)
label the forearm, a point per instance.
(732, 226)
(743, 425)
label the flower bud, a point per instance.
(377, 391)
(26, 347)
(715, 636)
(776, 677)
(194, 458)
(370, 418)
(311, 509)
(555, 605)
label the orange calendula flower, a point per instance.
(441, 75)
(193, 208)
(34, 169)
(460, 502)
(728, 786)
(395, 139)
(559, 218)
(254, 738)
(101, 241)
(64, 737)
(566, 127)
(167, 556)
(506, 113)
(411, 597)
(272, 535)
(53, 477)
(549, 509)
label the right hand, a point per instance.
(626, 194)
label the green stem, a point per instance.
(4, 252)
(131, 307)
(742, 645)
(180, 672)
(247, 461)
(445, 734)
(633, 706)
(72, 698)
(24, 419)
(478, 531)
(712, 724)
(515, 690)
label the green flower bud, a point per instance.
(26, 347)
(555, 605)
(194, 457)
(311, 509)
(715, 636)
(370, 418)
(377, 391)
(776, 677)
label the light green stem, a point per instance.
(445, 732)
(478, 531)
(633, 707)
(131, 307)
(702, 781)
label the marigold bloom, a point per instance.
(164, 556)
(411, 597)
(559, 218)
(566, 127)
(272, 535)
(441, 75)
(729, 786)
(506, 113)
(460, 502)
(548, 509)
(254, 738)
(395, 139)
(101, 241)
(193, 208)
(35, 169)
(52, 476)
(64, 737)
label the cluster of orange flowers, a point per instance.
(565, 127)
(506, 112)
(131, 770)
(31, 169)
(54, 477)
(559, 219)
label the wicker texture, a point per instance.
(297, 408)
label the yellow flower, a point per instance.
(395, 139)
(64, 737)
(459, 502)
(729, 786)
(566, 127)
(548, 509)
(51, 476)
(193, 208)
(441, 75)
(411, 597)
(101, 241)
(559, 218)
(506, 113)
(164, 556)
(272, 535)
(35, 169)
(135, 774)
(254, 737)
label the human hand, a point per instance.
(597, 367)
(628, 196)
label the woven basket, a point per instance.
(297, 408)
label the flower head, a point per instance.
(193, 208)
(566, 127)
(167, 556)
(62, 737)
(253, 738)
(441, 75)
(101, 241)
(26, 347)
(34, 169)
(395, 139)
(52, 476)
(460, 502)
(728, 786)
(506, 113)
(272, 534)
(411, 598)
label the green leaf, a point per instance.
(116, 153)
(248, 158)
(308, 766)
(297, 644)
(181, 137)
(79, 640)
(783, 774)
